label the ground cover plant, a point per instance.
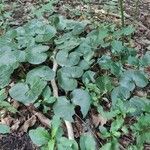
(71, 83)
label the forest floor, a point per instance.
(20, 13)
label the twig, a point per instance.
(127, 16)
(55, 93)
(89, 129)
(44, 120)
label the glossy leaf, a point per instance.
(39, 136)
(43, 72)
(36, 55)
(4, 129)
(63, 58)
(87, 142)
(26, 93)
(67, 77)
(64, 109)
(81, 98)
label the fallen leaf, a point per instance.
(98, 119)
(15, 126)
(29, 123)
(7, 120)
(44, 120)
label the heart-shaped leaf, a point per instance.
(5, 73)
(119, 93)
(117, 46)
(81, 98)
(27, 93)
(67, 144)
(43, 72)
(39, 136)
(36, 55)
(63, 58)
(87, 142)
(3, 95)
(8, 56)
(4, 129)
(131, 78)
(79, 27)
(49, 33)
(139, 104)
(66, 77)
(145, 61)
(88, 77)
(69, 44)
(64, 109)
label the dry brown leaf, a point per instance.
(16, 125)
(7, 120)
(44, 120)
(98, 119)
(29, 123)
(15, 104)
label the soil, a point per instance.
(16, 141)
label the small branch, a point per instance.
(55, 93)
(44, 120)
(127, 16)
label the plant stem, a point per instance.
(122, 12)
(136, 9)
(55, 93)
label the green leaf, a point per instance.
(117, 124)
(119, 93)
(96, 37)
(139, 104)
(117, 46)
(81, 98)
(47, 96)
(4, 129)
(3, 94)
(7, 106)
(39, 136)
(104, 84)
(49, 33)
(66, 77)
(88, 77)
(128, 30)
(7, 55)
(145, 61)
(66, 144)
(26, 93)
(85, 65)
(5, 73)
(106, 146)
(64, 109)
(69, 44)
(63, 58)
(133, 60)
(84, 48)
(43, 72)
(133, 77)
(87, 142)
(105, 61)
(112, 145)
(36, 55)
(56, 123)
(79, 27)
